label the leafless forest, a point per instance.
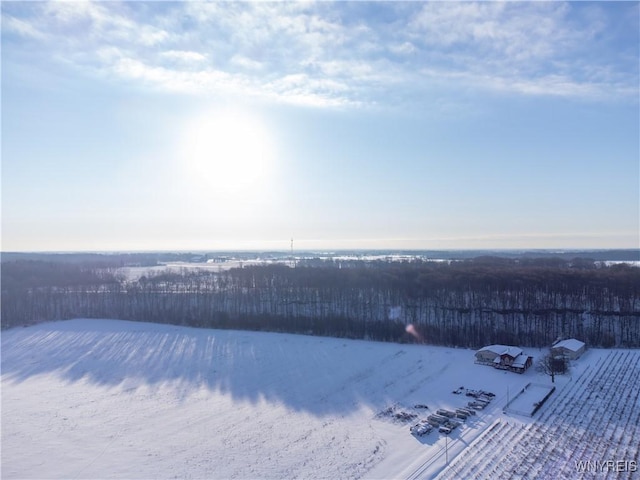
(467, 303)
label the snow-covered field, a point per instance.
(115, 399)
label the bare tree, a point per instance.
(553, 365)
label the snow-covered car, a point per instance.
(421, 428)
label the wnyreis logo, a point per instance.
(607, 466)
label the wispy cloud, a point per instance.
(331, 54)
(22, 28)
(184, 56)
(99, 22)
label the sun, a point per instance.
(229, 152)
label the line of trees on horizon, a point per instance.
(470, 303)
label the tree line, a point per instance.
(468, 303)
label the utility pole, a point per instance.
(293, 262)
(446, 449)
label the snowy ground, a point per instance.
(134, 273)
(525, 402)
(115, 399)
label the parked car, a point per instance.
(421, 428)
(446, 413)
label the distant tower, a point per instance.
(293, 262)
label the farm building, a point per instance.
(489, 354)
(520, 363)
(504, 357)
(570, 348)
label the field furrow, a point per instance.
(593, 419)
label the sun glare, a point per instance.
(229, 152)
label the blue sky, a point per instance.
(192, 125)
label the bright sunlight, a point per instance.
(229, 152)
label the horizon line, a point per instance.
(326, 250)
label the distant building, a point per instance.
(218, 259)
(504, 357)
(569, 348)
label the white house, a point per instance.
(504, 357)
(570, 348)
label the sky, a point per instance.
(342, 125)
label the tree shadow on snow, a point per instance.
(312, 374)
